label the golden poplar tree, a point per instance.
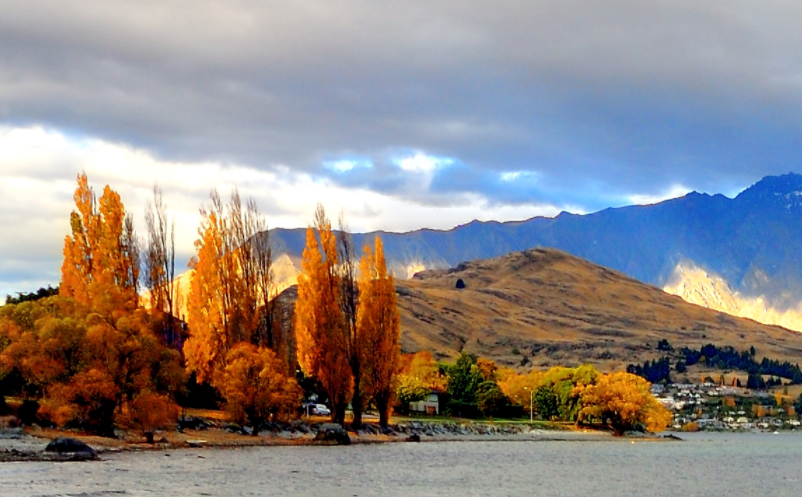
(226, 311)
(379, 328)
(229, 286)
(207, 315)
(159, 264)
(321, 335)
(81, 245)
(101, 256)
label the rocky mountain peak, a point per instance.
(785, 188)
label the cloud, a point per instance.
(633, 95)
(438, 108)
(37, 182)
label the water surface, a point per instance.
(729, 465)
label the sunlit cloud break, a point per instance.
(42, 164)
(422, 163)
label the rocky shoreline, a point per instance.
(30, 444)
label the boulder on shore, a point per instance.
(64, 445)
(332, 434)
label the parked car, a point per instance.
(321, 410)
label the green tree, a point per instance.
(464, 378)
(547, 403)
(490, 399)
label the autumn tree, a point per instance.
(519, 388)
(80, 246)
(322, 336)
(487, 368)
(422, 366)
(232, 317)
(255, 386)
(209, 308)
(621, 401)
(378, 331)
(101, 256)
(89, 399)
(418, 376)
(88, 355)
(159, 262)
(82, 369)
(151, 411)
(561, 384)
(348, 299)
(231, 285)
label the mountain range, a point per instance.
(737, 255)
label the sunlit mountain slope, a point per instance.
(554, 308)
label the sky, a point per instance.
(401, 114)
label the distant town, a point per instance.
(711, 406)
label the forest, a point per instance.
(724, 358)
(107, 349)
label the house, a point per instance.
(429, 405)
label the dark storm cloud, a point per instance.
(596, 100)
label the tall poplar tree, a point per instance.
(321, 335)
(231, 286)
(101, 256)
(160, 269)
(378, 330)
(349, 302)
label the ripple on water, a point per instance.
(707, 464)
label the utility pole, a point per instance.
(531, 404)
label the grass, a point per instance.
(569, 311)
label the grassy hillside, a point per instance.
(553, 308)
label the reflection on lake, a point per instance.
(706, 464)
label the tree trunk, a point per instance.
(356, 404)
(384, 417)
(338, 413)
(383, 406)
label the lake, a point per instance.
(706, 464)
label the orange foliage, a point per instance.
(231, 280)
(255, 386)
(321, 335)
(84, 369)
(90, 399)
(209, 310)
(151, 412)
(517, 387)
(487, 368)
(621, 401)
(423, 367)
(101, 257)
(88, 354)
(378, 330)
